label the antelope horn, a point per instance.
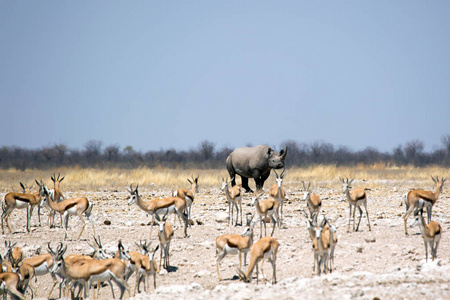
(50, 249)
(98, 242)
(276, 173)
(283, 172)
(59, 248)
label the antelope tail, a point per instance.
(403, 199)
(89, 209)
(3, 205)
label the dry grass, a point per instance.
(94, 179)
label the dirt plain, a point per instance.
(383, 263)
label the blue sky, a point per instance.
(170, 74)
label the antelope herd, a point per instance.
(79, 273)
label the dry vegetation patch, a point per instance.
(382, 263)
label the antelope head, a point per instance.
(194, 183)
(307, 190)
(134, 194)
(346, 184)
(56, 180)
(279, 179)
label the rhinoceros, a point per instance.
(254, 162)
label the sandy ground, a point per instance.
(381, 263)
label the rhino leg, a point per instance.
(245, 185)
(261, 180)
(232, 173)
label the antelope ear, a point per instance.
(62, 179)
(189, 181)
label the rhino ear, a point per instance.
(269, 151)
(283, 153)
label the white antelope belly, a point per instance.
(42, 269)
(231, 250)
(167, 210)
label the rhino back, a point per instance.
(245, 159)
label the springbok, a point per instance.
(11, 249)
(27, 190)
(26, 273)
(9, 284)
(165, 236)
(115, 265)
(355, 198)
(122, 254)
(57, 196)
(139, 263)
(431, 232)
(330, 234)
(148, 267)
(188, 195)
(264, 209)
(235, 244)
(42, 265)
(412, 198)
(234, 196)
(321, 244)
(69, 259)
(267, 247)
(99, 252)
(278, 193)
(313, 201)
(20, 201)
(333, 241)
(71, 207)
(172, 205)
(86, 271)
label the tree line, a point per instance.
(207, 156)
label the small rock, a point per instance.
(202, 273)
(107, 222)
(370, 240)
(221, 217)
